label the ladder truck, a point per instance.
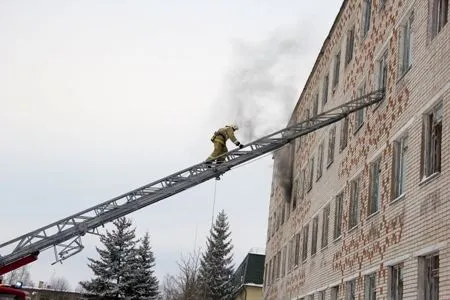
(64, 236)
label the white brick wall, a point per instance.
(401, 231)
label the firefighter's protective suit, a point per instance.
(219, 139)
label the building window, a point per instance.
(297, 249)
(374, 195)
(367, 10)
(283, 262)
(440, 16)
(351, 290)
(350, 45)
(359, 114)
(315, 230)
(430, 277)
(382, 71)
(399, 166)
(310, 174)
(278, 258)
(290, 256)
(331, 141)
(396, 282)
(265, 274)
(274, 223)
(370, 287)
(269, 277)
(302, 183)
(319, 161)
(335, 293)
(344, 134)
(405, 46)
(321, 295)
(305, 242)
(354, 204)
(325, 225)
(316, 105)
(338, 215)
(325, 90)
(431, 142)
(295, 193)
(337, 66)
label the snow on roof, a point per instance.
(255, 250)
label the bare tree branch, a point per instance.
(59, 284)
(20, 274)
(185, 285)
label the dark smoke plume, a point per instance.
(263, 86)
(263, 83)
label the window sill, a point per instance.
(330, 163)
(372, 215)
(358, 128)
(430, 178)
(398, 199)
(404, 74)
(379, 104)
(352, 229)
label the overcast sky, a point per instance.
(100, 97)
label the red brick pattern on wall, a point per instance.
(401, 229)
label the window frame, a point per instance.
(375, 174)
(325, 226)
(438, 18)
(338, 215)
(343, 140)
(370, 286)
(314, 235)
(325, 85)
(366, 18)
(336, 69)
(429, 274)
(396, 282)
(405, 45)
(359, 114)
(320, 154)
(350, 45)
(354, 203)
(305, 234)
(382, 70)
(431, 162)
(399, 166)
(350, 290)
(331, 145)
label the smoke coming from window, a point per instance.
(264, 82)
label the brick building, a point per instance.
(364, 212)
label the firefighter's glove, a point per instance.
(240, 146)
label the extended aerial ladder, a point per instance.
(64, 236)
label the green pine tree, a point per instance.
(113, 268)
(143, 283)
(216, 266)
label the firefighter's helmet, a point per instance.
(234, 126)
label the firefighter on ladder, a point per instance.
(220, 139)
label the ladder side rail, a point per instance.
(268, 145)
